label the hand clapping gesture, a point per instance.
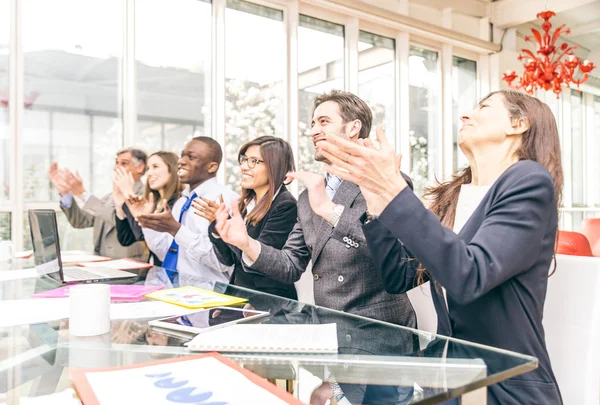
(206, 208)
(232, 230)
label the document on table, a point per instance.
(38, 310)
(8, 275)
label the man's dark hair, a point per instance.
(214, 149)
(352, 108)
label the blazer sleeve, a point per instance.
(222, 250)
(101, 209)
(287, 264)
(279, 224)
(128, 230)
(77, 217)
(507, 242)
(396, 266)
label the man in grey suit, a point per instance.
(99, 213)
(328, 230)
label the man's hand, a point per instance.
(75, 183)
(59, 179)
(163, 222)
(320, 203)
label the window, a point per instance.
(72, 96)
(5, 143)
(593, 177)
(254, 73)
(69, 237)
(577, 147)
(320, 69)
(464, 99)
(5, 226)
(423, 74)
(173, 82)
(376, 84)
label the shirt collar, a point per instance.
(201, 189)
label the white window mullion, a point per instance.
(403, 100)
(218, 79)
(589, 193)
(567, 157)
(128, 75)
(292, 88)
(351, 32)
(16, 117)
(447, 150)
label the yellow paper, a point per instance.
(194, 297)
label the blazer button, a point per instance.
(316, 277)
(348, 337)
(341, 279)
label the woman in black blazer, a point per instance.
(489, 279)
(162, 185)
(266, 205)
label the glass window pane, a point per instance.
(173, 82)
(5, 226)
(376, 84)
(71, 80)
(69, 237)
(577, 152)
(4, 92)
(423, 75)
(253, 78)
(594, 160)
(320, 69)
(464, 99)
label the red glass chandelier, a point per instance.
(553, 67)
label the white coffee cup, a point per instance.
(90, 309)
(6, 250)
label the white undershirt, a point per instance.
(468, 200)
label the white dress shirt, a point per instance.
(196, 256)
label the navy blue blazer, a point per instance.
(495, 270)
(272, 230)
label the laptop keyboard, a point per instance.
(77, 273)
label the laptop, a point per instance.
(46, 252)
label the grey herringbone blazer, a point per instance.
(345, 278)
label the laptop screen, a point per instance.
(44, 238)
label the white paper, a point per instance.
(272, 338)
(38, 310)
(206, 380)
(8, 275)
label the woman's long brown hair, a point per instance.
(540, 143)
(279, 160)
(173, 187)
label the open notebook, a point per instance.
(269, 338)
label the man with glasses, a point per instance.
(180, 238)
(99, 213)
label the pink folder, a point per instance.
(118, 292)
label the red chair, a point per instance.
(591, 230)
(573, 244)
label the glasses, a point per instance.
(251, 162)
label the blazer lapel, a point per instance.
(345, 195)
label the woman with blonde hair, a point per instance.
(162, 187)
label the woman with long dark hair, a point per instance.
(266, 206)
(488, 240)
(162, 185)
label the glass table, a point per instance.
(377, 362)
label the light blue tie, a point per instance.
(170, 262)
(333, 183)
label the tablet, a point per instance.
(207, 319)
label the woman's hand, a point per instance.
(139, 205)
(119, 200)
(376, 171)
(206, 208)
(232, 230)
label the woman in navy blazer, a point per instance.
(488, 281)
(266, 205)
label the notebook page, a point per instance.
(280, 338)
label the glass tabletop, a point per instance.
(377, 362)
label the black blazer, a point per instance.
(272, 230)
(129, 231)
(495, 270)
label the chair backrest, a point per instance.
(572, 327)
(591, 229)
(573, 244)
